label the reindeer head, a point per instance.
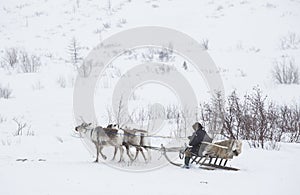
(83, 127)
(237, 147)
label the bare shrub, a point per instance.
(2, 119)
(21, 61)
(291, 41)
(166, 53)
(29, 63)
(232, 117)
(253, 118)
(85, 68)
(11, 58)
(172, 111)
(212, 114)
(61, 81)
(204, 44)
(21, 127)
(5, 92)
(289, 122)
(286, 71)
(106, 25)
(37, 86)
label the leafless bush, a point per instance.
(291, 41)
(85, 69)
(289, 122)
(106, 25)
(37, 85)
(11, 58)
(29, 63)
(5, 92)
(120, 116)
(253, 118)
(166, 53)
(20, 60)
(61, 81)
(204, 44)
(212, 114)
(286, 71)
(21, 127)
(2, 119)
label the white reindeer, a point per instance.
(138, 139)
(103, 136)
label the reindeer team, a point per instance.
(117, 137)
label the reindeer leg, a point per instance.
(121, 153)
(115, 153)
(148, 154)
(143, 154)
(97, 150)
(137, 152)
(100, 151)
(128, 152)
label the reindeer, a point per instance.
(224, 149)
(138, 139)
(103, 136)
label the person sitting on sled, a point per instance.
(196, 139)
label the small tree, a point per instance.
(74, 51)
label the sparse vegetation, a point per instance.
(11, 58)
(204, 44)
(285, 71)
(290, 41)
(2, 119)
(37, 86)
(29, 63)
(61, 81)
(253, 118)
(21, 61)
(22, 128)
(5, 92)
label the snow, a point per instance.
(244, 40)
(69, 169)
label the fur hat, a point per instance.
(197, 126)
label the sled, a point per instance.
(209, 161)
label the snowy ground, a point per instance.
(244, 41)
(68, 169)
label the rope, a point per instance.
(134, 135)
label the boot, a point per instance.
(187, 162)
